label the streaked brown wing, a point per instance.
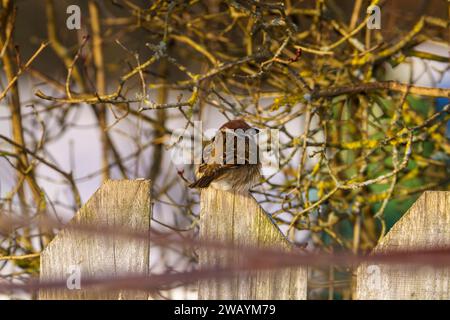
(209, 173)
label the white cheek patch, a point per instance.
(222, 185)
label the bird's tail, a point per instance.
(202, 182)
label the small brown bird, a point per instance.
(231, 160)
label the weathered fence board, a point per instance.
(117, 204)
(238, 219)
(425, 225)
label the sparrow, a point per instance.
(230, 160)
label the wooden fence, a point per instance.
(239, 220)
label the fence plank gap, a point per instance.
(238, 219)
(116, 204)
(425, 225)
